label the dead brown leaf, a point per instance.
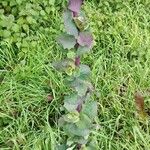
(139, 103)
(49, 98)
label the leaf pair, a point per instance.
(80, 125)
(79, 81)
(85, 41)
(69, 40)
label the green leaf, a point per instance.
(92, 145)
(16, 28)
(81, 86)
(61, 147)
(63, 64)
(33, 43)
(73, 129)
(48, 9)
(18, 44)
(72, 117)
(30, 20)
(69, 24)
(90, 109)
(42, 12)
(1, 11)
(83, 147)
(67, 41)
(19, 2)
(12, 3)
(82, 50)
(84, 71)
(11, 18)
(69, 71)
(84, 122)
(71, 54)
(6, 33)
(25, 43)
(51, 2)
(4, 3)
(21, 21)
(78, 139)
(80, 22)
(71, 102)
(24, 49)
(25, 27)
(7, 21)
(61, 122)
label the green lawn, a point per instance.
(119, 59)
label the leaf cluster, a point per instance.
(80, 110)
(20, 19)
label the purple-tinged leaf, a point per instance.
(67, 41)
(85, 39)
(75, 5)
(69, 24)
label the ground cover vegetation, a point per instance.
(32, 91)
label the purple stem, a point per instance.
(75, 14)
(79, 108)
(77, 61)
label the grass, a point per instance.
(119, 59)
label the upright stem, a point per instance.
(77, 104)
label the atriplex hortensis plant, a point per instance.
(78, 121)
